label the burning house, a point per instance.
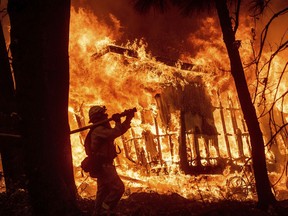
(188, 136)
(183, 128)
(188, 130)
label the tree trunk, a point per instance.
(11, 147)
(265, 195)
(6, 81)
(39, 46)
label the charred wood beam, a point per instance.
(151, 148)
(224, 127)
(240, 142)
(136, 146)
(246, 134)
(197, 146)
(171, 145)
(132, 53)
(216, 145)
(126, 152)
(143, 159)
(246, 137)
(236, 130)
(158, 141)
(232, 114)
(184, 165)
(150, 143)
(163, 108)
(190, 149)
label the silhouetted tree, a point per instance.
(11, 147)
(39, 46)
(265, 195)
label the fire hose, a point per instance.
(125, 113)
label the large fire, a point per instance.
(196, 93)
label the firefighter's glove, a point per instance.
(116, 117)
(130, 114)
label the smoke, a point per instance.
(195, 39)
(165, 33)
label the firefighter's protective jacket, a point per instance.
(102, 140)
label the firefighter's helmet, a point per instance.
(96, 112)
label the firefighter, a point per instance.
(110, 187)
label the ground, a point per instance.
(152, 204)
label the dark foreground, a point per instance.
(153, 204)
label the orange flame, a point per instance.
(133, 79)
